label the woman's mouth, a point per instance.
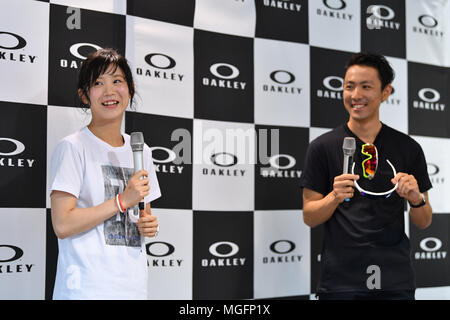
(110, 103)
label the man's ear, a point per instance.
(387, 91)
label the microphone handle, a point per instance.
(348, 161)
(138, 165)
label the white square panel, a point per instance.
(437, 293)
(111, 6)
(394, 111)
(226, 16)
(317, 132)
(282, 83)
(61, 122)
(169, 256)
(428, 32)
(24, 51)
(161, 58)
(223, 170)
(335, 24)
(437, 154)
(282, 253)
(22, 254)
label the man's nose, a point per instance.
(357, 93)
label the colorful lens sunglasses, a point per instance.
(370, 166)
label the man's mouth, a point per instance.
(358, 106)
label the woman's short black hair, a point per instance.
(96, 64)
(379, 62)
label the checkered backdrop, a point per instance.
(209, 72)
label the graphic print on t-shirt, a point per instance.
(119, 230)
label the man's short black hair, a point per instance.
(379, 62)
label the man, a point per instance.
(366, 254)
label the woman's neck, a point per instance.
(110, 133)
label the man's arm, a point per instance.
(409, 189)
(318, 208)
(421, 216)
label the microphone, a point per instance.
(137, 145)
(348, 147)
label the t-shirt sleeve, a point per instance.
(419, 170)
(315, 175)
(66, 169)
(155, 191)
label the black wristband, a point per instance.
(421, 204)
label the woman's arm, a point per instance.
(68, 220)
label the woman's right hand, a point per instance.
(136, 189)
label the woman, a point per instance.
(101, 251)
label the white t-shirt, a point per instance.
(108, 261)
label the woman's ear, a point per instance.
(83, 97)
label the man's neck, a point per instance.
(366, 131)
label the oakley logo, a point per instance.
(432, 169)
(429, 100)
(430, 250)
(335, 4)
(283, 4)
(331, 82)
(423, 93)
(277, 170)
(377, 12)
(160, 249)
(19, 147)
(284, 78)
(160, 61)
(274, 161)
(171, 156)
(233, 71)
(279, 245)
(233, 249)
(75, 49)
(224, 159)
(428, 21)
(435, 243)
(225, 73)
(21, 42)
(10, 253)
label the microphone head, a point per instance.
(349, 145)
(137, 141)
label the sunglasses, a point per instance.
(370, 166)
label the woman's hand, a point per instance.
(136, 190)
(147, 224)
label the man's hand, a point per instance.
(343, 186)
(407, 187)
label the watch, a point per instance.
(422, 203)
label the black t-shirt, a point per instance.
(365, 232)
